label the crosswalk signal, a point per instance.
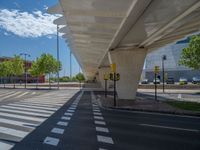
(117, 76)
(111, 76)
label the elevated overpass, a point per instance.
(101, 32)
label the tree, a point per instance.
(80, 77)
(36, 71)
(17, 67)
(48, 64)
(190, 55)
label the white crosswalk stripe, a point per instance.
(19, 118)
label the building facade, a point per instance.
(172, 67)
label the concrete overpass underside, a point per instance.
(100, 32)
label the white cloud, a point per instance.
(24, 24)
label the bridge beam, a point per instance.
(129, 64)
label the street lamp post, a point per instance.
(164, 57)
(25, 68)
(70, 61)
(58, 55)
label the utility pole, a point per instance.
(58, 56)
(25, 64)
(163, 71)
(70, 63)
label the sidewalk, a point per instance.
(141, 104)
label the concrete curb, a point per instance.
(152, 111)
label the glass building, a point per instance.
(171, 64)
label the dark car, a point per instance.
(170, 81)
(145, 81)
(196, 80)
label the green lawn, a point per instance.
(193, 106)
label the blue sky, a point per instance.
(25, 26)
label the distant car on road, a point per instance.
(195, 80)
(183, 81)
(170, 81)
(157, 81)
(145, 81)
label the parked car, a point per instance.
(183, 81)
(145, 81)
(157, 81)
(195, 80)
(170, 81)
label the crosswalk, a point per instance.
(19, 118)
(16, 94)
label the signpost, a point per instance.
(114, 77)
(106, 79)
(156, 71)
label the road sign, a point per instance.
(113, 67)
(106, 77)
(156, 69)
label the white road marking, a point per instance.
(104, 139)
(100, 122)
(21, 95)
(57, 130)
(65, 118)
(13, 132)
(24, 112)
(96, 110)
(51, 141)
(8, 96)
(98, 117)
(22, 117)
(5, 145)
(70, 110)
(102, 129)
(18, 123)
(61, 123)
(68, 114)
(102, 149)
(97, 113)
(172, 128)
(33, 93)
(32, 106)
(28, 109)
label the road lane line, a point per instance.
(70, 111)
(51, 141)
(104, 139)
(8, 96)
(65, 118)
(57, 130)
(102, 129)
(62, 123)
(68, 114)
(100, 122)
(167, 127)
(98, 117)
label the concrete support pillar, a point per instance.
(129, 64)
(102, 71)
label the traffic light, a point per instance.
(117, 77)
(111, 76)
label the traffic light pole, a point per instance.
(155, 87)
(105, 88)
(114, 89)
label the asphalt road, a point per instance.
(80, 124)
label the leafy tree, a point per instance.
(80, 77)
(190, 56)
(36, 71)
(49, 65)
(17, 67)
